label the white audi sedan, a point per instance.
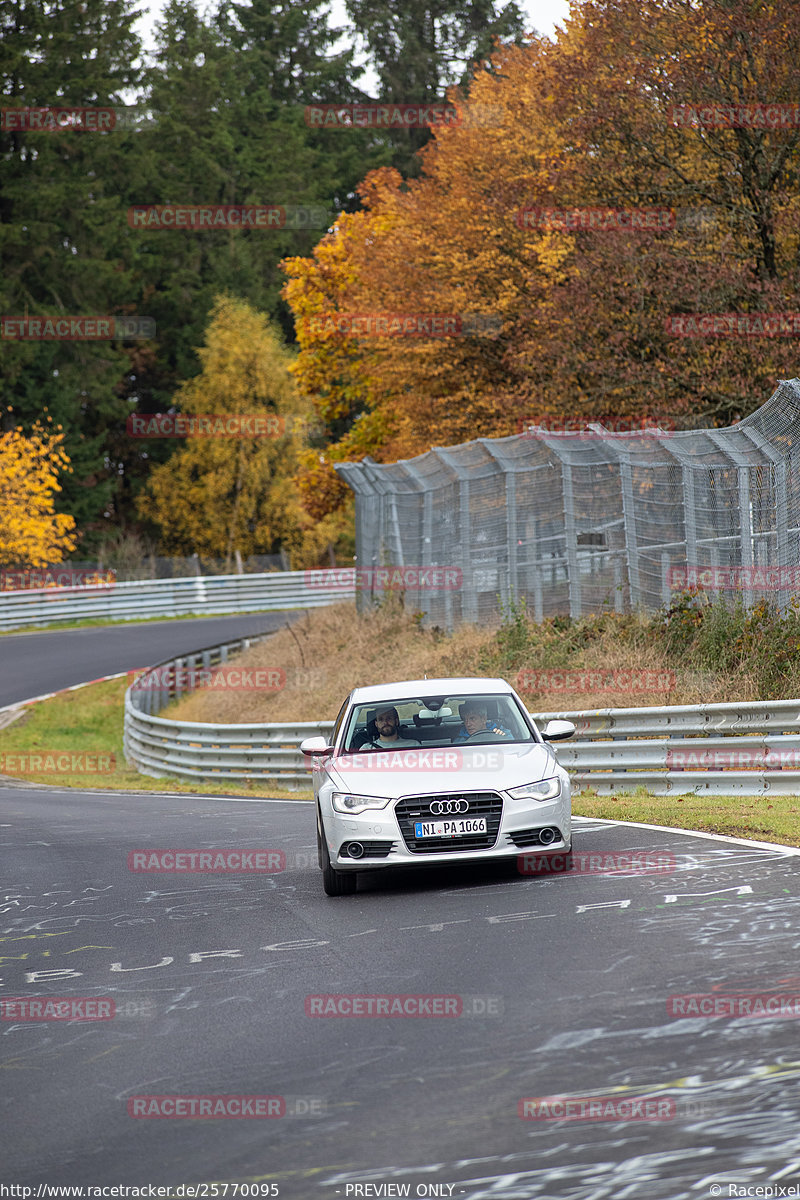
(435, 771)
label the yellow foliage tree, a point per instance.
(32, 534)
(218, 494)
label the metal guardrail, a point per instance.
(755, 716)
(617, 751)
(194, 750)
(201, 594)
(664, 749)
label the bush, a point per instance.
(729, 638)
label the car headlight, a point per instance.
(545, 789)
(347, 802)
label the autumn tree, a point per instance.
(219, 493)
(32, 533)
(588, 122)
(631, 83)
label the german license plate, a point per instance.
(457, 827)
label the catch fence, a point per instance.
(584, 521)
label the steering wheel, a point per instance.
(483, 735)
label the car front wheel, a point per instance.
(334, 883)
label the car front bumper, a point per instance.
(380, 828)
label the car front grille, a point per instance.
(417, 808)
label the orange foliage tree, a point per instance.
(612, 117)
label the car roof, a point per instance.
(429, 687)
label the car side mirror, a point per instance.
(315, 745)
(556, 731)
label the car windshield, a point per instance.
(436, 721)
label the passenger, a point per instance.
(474, 715)
(387, 733)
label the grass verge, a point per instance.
(762, 818)
(88, 722)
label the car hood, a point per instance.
(449, 769)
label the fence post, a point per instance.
(720, 438)
(469, 599)
(780, 507)
(512, 537)
(570, 531)
(684, 459)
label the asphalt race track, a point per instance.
(566, 978)
(554, 985)
(32, 664)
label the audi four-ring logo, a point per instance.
(438, 807)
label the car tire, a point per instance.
(334, 883)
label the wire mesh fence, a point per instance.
(582, 521)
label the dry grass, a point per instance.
(630, 650)
(324, 655)
(333, 649)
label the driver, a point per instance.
(387, 724)
(474, 715)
